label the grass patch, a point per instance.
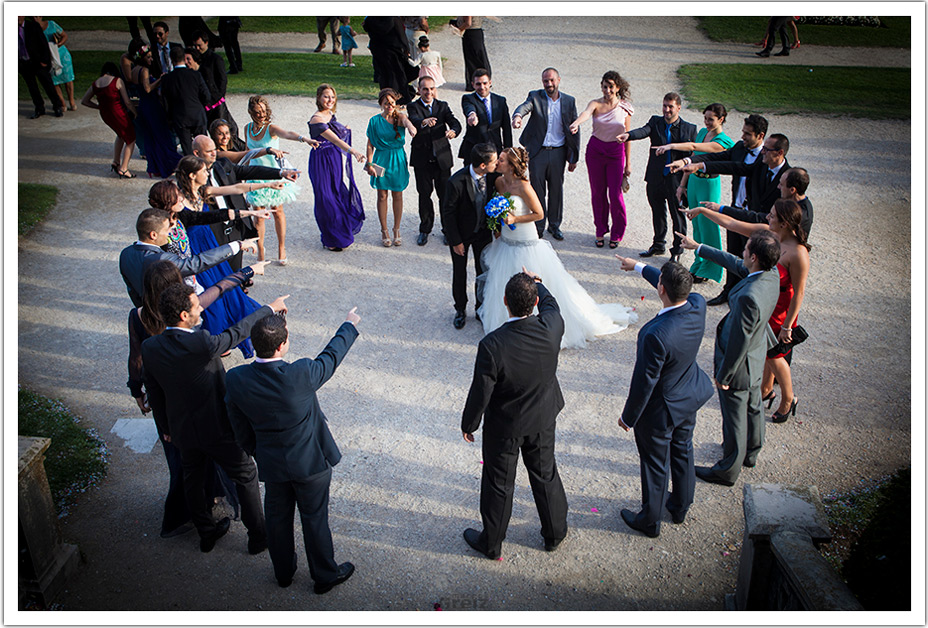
(35, 201)
(749, 30)
(783, 89)
(77, 457)
(98, 23)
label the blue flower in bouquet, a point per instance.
(497, 210)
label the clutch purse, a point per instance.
(800, 335)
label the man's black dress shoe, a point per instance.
(675, 257)
(552, 544)
(208, 542)
(762, 53)
(706, 474)
(36, 114)
(652, 251)
(629, 518)
(344, 572)
(556, 234)
(698, 279)
(59, 113)
(473, 539)
(782, 53)
(459, 319)
(675, 516)
(257, 545)
(283, 583)
(722, 299)
(422, 239)
(749, 465)
(184, 528)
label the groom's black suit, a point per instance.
(464, 220)
(515, 390)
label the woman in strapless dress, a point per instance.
(519, 245)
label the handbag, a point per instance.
(800, 335)
(56, 66)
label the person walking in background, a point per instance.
(65, 77)
(228, 33)
(390, 55)
(473, 47)
(666, 391)
(115, 107)
(416, 27)
(348, 43)
(190, 25)
(430, 62)
(276, 418)
(516, 394)
(338, 209)
(661, 183)
(185, 97)
(608, 162)
(430, 151)
(699, 187)
(323, 22)
(386, 161)
(35, 62)
(550, 146)
(776, 25)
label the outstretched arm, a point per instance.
(583, 117)
(726, 222)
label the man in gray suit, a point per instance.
(550, 146)
(742, 339)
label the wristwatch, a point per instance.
(537, 279)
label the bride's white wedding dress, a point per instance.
(584, 319)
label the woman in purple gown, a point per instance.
(338, 208)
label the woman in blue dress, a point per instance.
(56, 34)
(338, 209)
(152, 121)
(234, 305)
(385, 140)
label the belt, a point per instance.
(219, 102)
(552, 147)
(703, 175)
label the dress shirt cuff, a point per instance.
(698, 246)
(639, 268)
(236, 247)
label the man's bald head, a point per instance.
(205, 148)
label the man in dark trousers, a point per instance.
(35, 61)
(185, 381)
(550, 145)
(666, 391)
(661, 184)
(185, 97)
(516, 393)
(487, 117)
(741, 342)
(464, 220)
(213, 70)
(224, 172)
(152, 227)
(277, 419)
(430, 152)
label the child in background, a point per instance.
(429, 62)
(348, 43)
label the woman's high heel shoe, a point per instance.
(770, 398)
(385, 238)
(397, 240)
(781, 418)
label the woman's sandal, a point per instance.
(397, 240)
(600, 243)
(613, 244)
(385, 238)
(125, 174)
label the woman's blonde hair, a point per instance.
(254, 101)
(518, 158)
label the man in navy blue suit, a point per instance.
(276, 417)
(666, 391)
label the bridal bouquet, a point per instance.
(497, 210)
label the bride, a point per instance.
(514, 248)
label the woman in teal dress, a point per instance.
(385, 140)
(54, 33)
(701, 187)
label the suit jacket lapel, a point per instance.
(543, 108)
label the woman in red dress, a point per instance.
(114, 106)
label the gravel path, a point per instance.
(408, 485)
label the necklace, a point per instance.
(259, 133)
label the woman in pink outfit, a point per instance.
(607, 161)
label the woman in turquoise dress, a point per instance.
(260, 133)
(701, 187)
(54, 33)
(385, 140)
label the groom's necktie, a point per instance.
(481, 199)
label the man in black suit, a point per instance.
(185, 381)
(515, 390)
(464, 220)
(224, 172)
(277, 419)
(185, 97)
(152, 227)
(35, 62)
(741, 342)
(213, 70)
(666, 391)
(430, 152)
(487, 117)
(661, 183)
(550, 146)
(163, 47)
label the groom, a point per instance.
(464, 221)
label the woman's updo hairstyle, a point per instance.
(518, 159)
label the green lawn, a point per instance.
(97, 23)
(295, 74)
(75, 459)
(829, 90)
(897, 34)
(35, 201)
